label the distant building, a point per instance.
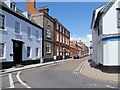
(85, 49)
(42, 17)
(106, 35)
(61, 40)
(21, 37)
(78, 48)
(75, 49)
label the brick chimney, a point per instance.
(44, 9)
(31, 7)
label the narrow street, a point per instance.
(59, 75)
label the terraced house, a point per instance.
(21, 36)
(61, 41)
(42, 17)
(56, 38)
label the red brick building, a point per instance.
(61, 40)
(75, 49)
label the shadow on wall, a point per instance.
(106, 69)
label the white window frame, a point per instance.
(66, 41)
(48, 46)
(13, 4)
(60, 28)
(57, 26)
(30, 52)
(57, 36)
(17, 28)
(30, 32)
(48, 33)
(61, 51)
(57, 50)
(4, 51)
(60, 38)
(63, 39)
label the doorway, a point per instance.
(17, 51)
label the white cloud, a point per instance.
(86, 39)
(75, 38)
(89, 36)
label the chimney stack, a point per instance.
(44, 9)
(31, 7)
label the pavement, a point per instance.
(15, 69)
(94, 73)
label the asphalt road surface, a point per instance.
(58, 75)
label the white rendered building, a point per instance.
(21, 37)
(106, 34)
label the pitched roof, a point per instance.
(18, 13)
(102, 9)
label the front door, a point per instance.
(17, 51)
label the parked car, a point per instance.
(81, 56)
(76, 57)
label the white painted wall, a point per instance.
(110, 53)
(110, 20)
(95, 46)
(106, 52)
(9, 33)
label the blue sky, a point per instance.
(75, 16)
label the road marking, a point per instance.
(18, 77)
(95, 84)
(109, 86)
(11, 81)
(79, 68)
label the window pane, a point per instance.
(48, 33)
(63, 39)
(118, 18)
(17, 27)
(48, 21)
(57, 36)
(29, 32)
(2, 21)
(28, 51)
(48, 48)
(37, 34)
(60, 38)
(57, 26)
(63, 30)
(37, 51)
(1, 50)
(12, 6)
